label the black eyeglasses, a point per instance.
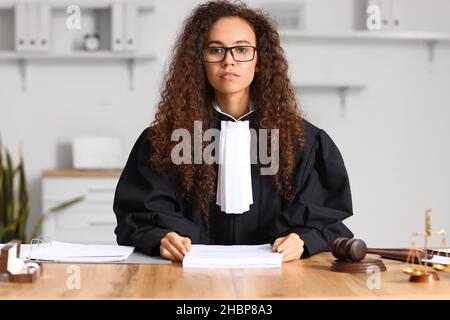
(239, 53)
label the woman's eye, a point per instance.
(242, 50)
(215, 50)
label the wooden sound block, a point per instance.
(28, 277)
(357, 267)
(15, 269)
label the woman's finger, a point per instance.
(292, 253)
(174, 251)
(289, 253)
(285, 244)
(166, 254)
(277, 243)
(286, 249)
(187, 243)
(291, 249)
(290, 257)
(292, 239)
(178, 244)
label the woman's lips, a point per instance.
(229, 75)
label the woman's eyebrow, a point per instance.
(221, 43)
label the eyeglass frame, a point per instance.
(231, 52)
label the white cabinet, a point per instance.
(89, 221)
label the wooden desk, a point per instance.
(303, 279)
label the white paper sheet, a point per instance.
(437, 259)
(442, 251)
(239, 256)
(83, 253)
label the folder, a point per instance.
(117, 30)
(20, 27)
(134, 258)
(131, 25)
(56, 251)
(43, 27)
(33, 23)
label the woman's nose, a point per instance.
(228, 60)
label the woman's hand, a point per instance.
(291, 246)
(174, 247)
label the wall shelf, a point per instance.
(84, 4)
(342, 86)
(431, 39)
(30, 38)
(82, 55)
(366, 35)
(129, 57)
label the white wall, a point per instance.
(394, 135)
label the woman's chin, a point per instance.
(229, 89)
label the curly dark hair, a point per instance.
(187, 96)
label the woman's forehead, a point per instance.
(232, 30)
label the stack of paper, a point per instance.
(441, 256)
(438, 260)
(79, 253)
(242, 256)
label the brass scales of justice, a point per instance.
(415, 265)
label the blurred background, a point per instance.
(79, 81)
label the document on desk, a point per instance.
(238, 256)
(442, 251)
(438, 259)
(56, 251)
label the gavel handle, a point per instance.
(397, 254)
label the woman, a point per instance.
(229, 72)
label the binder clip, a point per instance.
(14, 269)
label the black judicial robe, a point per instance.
(148, 205)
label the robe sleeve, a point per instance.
(321, 201)
(147, 204)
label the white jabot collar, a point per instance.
(234, 185)
(251, 108)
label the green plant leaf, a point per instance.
(67, 204)
(36, 227)
(9, 189)
(14, 202)
(22, 225)
(23, 202)
(2, 197)
(8, 229)
(57, 208)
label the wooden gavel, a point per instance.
(346, 249)
(350, 254)
(354, 250)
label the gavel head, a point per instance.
(346, 249)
